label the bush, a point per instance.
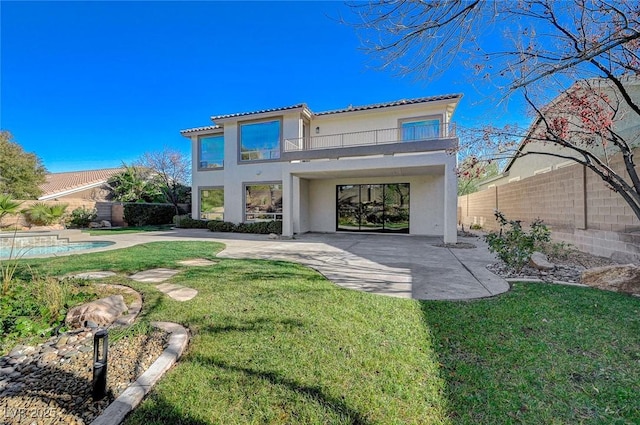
(186, 222)
(81, 216)
(38, 307)
(260, 227)
(513, 245)
(42, 214)
(221, 226)
(148, 214)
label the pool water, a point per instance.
(50, 250)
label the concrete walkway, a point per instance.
(396, 265)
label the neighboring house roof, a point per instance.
(627, 81)
(63, 184)
(400, 102)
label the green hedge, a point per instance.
(261, 227)
(186, 222)
(148, 214)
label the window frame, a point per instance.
(279, 120)
(244, 199)
(199, 152)
(438, 117)
(201, 188)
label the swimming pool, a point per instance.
(33, 251)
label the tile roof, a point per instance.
(334, 111)
(62, 183)
(193, 130)
(394, 103)
(242, 114)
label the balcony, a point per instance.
(380, 141)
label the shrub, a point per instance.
(186, 222)
(148, 214)
(41, 214)
(221, 226)
(513, 245)
(81, 216)
(260, 227)
(8, 205)
(558, 250)
(243, 228)
(37, 307)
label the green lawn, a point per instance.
(273, 342)
(124, 230)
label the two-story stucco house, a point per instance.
(385, 167)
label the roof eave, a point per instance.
(222, 119)
(69, 191)
(199, 131)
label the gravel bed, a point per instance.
(34, 391)
(568, 268)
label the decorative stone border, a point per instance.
(132, 396)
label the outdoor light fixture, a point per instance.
(100, 353)
(317, 130)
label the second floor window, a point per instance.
(211, 152)
(260, 141)
(420, 130)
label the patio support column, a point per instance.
(287, 204)
(450, 202)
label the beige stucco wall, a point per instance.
(312, 185)
(426, 202)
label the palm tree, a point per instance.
(8, 205)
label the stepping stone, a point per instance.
(154, 275)
(197, 262)
(94, 275)
(177, 292)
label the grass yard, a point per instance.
(274, 342)
(125, 230)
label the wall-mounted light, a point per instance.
(317, 130)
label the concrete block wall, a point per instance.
(72, 204)
(574, 202)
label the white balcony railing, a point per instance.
(372, 137)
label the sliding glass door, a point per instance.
(373, 207)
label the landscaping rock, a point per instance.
(103, 312)
(274, 236)
(94, 225)
(622, 278)
(105, 223)
(540, 261)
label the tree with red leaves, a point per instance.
(573, 62)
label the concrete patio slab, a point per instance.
(397, 265)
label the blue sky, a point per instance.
(89, 85)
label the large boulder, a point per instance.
(102, 312)
(540, 261)
(620, 278)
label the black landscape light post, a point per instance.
(100, 339)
